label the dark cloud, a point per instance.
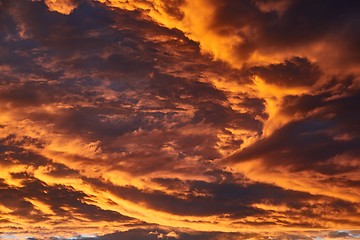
(311, 20)
(172, 7)
(328, 128)
(57, 197)
(232, 201)
(29, 94)
(13, 152)
(291, 73)
(158, 112)
(302, 145)
(192, 206)
(125, 58)
(334, 106)
(80, 59)
(292, 25)
(255, 106)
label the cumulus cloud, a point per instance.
(61, 6)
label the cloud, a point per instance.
(38, 202)
(284, 33)
(323, 138)
(293, 72)
(61, 6)
(185, 119)
(155, 233)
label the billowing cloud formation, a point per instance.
(61, 6)
(179, 119)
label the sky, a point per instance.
(179, 119)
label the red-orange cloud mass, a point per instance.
(179, 119)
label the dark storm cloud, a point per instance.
(211, 103)
(192, 206)
(255, 106)
(343, 182)
(21, 207)
(335, 103)
(57, 197)
(145, 77)
(329, 127)
(291, 73)
(233, 201)
(153, 104)
(306, 21)
(172, 7)
(29, 94)
(91, 121)
(218, 115)
(60, 30)
(291, 25)
(78, 54)
(302, 145)
(76, 43)
(13, 151)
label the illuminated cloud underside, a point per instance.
(176, 119)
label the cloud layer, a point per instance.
(179, 119)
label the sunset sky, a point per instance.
(179, 119)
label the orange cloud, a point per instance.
(173, 117)
(61, 6)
